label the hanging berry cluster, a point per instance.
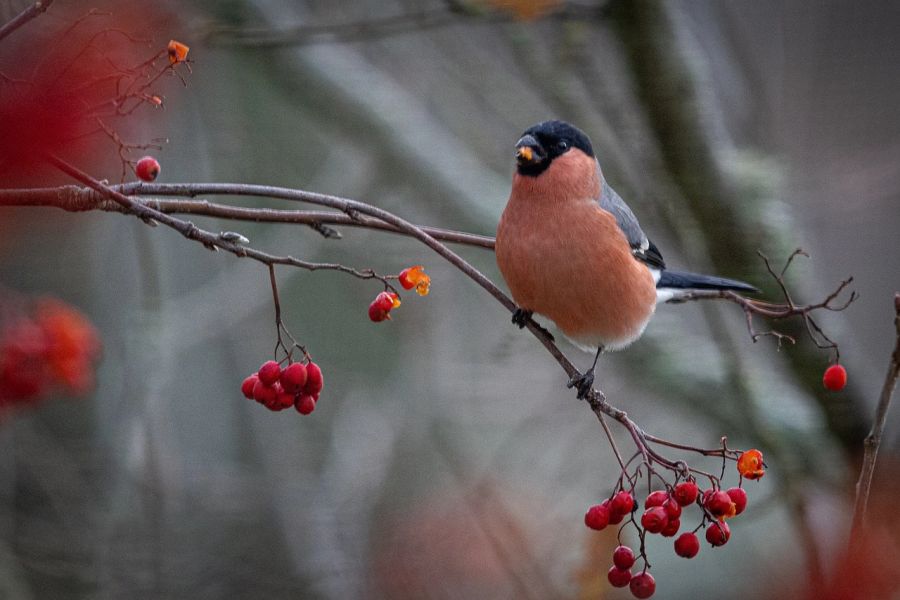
(662, 516)
(297, 385)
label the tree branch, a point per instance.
(126, 199)
(77, 199)
(23, 17)
(873, 440)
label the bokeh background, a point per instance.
(446, 459)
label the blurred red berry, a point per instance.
(673, 509)
(835, 378)
(285, 399)
(718, 533)
(750, 464)
(293, 378)
(147, 169)
(687, 545)
(377, 314)
(314, 380)
(269, 372)
(718, 503)
(618, 577)
(685, 493)
(671, 528)
(597, 516)
(654, 519)
(384, 301)
(738, 498)
(264, 394)
(248, 385)
(622, 503)
(305, 404)
(642, 585)
(623, 557)
(656, 498)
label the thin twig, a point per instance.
(77, 199)
(873, 440)
(39, 7)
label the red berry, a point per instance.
(377, 314)
(269, 372)
(264, 394)
(285, 399)
(147, 169)
(623, 557)
(718, 533)
(685, 493)
(739, 498)
(673, 509)
(718, 503)
(656, 498)
(384, 301)
(293, 378)
(835, 378)
(597, 516)
(687, 545)
(642, 585)
(618, 577)
(247, 386)
(622, 503)
(654, 519)
(305, 404)
(671, 528)
(314, 380)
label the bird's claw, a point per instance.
(582, 383)
(521, 317)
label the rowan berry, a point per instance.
(618, 577)
(835, 378)
(269, 372)
(147, 168)
(687, 545)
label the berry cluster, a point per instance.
(296, 385)
(662, 515)
(54, 347)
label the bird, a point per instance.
(570, 249)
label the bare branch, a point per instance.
(39, 7)
(873, 440)
(77, 199)
(779, 311)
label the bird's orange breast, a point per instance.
(564, 257)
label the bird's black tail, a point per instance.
(694, 281)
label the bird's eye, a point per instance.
(562, 146)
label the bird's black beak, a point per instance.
(529, 151)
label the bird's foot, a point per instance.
(521, 317)
(582, 383)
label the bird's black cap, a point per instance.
(543, 142)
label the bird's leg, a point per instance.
(521, 317)
(584, 381)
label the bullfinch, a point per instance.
(570, 248)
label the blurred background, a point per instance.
(446, 459)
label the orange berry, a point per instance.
(750, 464)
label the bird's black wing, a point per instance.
(641, 246)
